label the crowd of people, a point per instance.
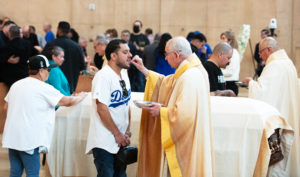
(178, 73)
(148, 46)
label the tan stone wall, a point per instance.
(175, 16)
(295, 39)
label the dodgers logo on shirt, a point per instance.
(117, 98)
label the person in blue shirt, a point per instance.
(57, 79)
(205, 49)
(49, 34)
(162, 66)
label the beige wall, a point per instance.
(175, 16)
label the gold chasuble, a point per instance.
(183, 132)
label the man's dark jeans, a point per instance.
(107, 164)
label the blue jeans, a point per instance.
(20, 160)
(107, 165)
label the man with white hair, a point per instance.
(278, 86)
(177, 130)
(100, 43)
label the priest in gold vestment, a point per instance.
(176, 134)
(278, 86)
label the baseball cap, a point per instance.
(39, 61)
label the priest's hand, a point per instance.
(138, 63)
(154, 109)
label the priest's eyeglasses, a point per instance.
(124, 90)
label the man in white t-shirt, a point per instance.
(110, 120)
(30, 105)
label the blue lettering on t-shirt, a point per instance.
(117, 98)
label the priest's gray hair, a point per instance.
(100, 38)
(181, 45)
(270, 42)
(222, 47)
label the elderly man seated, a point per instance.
(220, 58)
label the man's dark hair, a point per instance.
(32, 29)
(113, 32)
(204, 37)
(8, 23)
(162, 43)
(125, 31)
(266, 31)
(14, 31)
(199, 37)
(148, 31)
(113, 46)
(64, 27)
(190, 35)
(139, 21)
(75, 35)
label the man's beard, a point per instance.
(122, 65)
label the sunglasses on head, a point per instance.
(123, 86)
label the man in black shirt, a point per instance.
(260, 63)
(32, 38)
(17, 47)
(100, 43)
(74, 58)
(139, 39)
(220, 58)
(3, 42)
(137, 80)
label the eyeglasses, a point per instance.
(123, 86)
(260, 52)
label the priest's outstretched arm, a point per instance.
(138, 63)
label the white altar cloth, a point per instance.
(241, 127)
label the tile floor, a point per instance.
(4, 163)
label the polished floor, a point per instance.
(4, 163)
